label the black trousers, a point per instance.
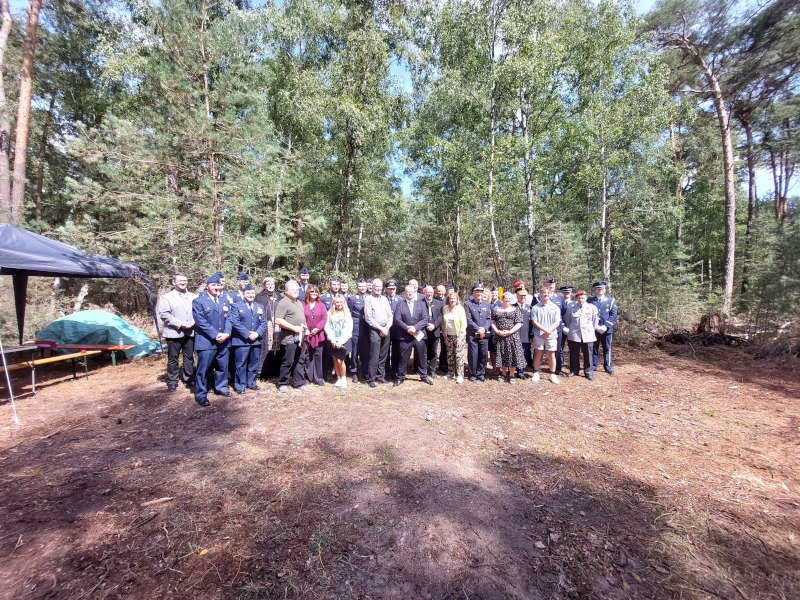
(402, 353)
(355, 356)
(293, 368)
(175, 347)
(432, 342)
(378, 355)
(577, 348)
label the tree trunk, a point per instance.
(5, 125)
(358, 247)
(531, 198)
(347, 181)
(723, 118)
(457, 249)
(751, 202)
(605, 232)
(676, 158)
(42, 149)
(24, 112)
(216, 205)
(80, 297)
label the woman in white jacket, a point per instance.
(580, 322)
(338, 334)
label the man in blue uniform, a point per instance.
(565, 292)
(211, 313)
(355, 303)
(525, 330)
(607, 311)
(333, 291)
(303, 275)
(242, 281)
(433, 331)
(224, 293)
(249, 325)
(409, 322)
(479, 319)
(393, 298)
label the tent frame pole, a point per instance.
(14, 417)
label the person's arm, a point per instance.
(262, 328)
(201, 323)
(471, 324)
(164, 310)
(280, 321)
(237, 325)
(612, 313)
(328, 329)
(347, 332)
(422, 317)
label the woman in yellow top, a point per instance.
(454, 331)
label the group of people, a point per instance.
(306, 337)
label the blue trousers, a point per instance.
(355, 359)
(477, 355)
(604, 340)
(560, 350)
(246, 359)
(211, 361)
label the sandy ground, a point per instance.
(675, 478)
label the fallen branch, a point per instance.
(158, 501)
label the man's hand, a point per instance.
(481, 331)
(430, 327)
(545, 333)
(412, 330)
(221, 337)
(253, 336)
(383, 332)
(187, 325)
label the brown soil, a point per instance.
(675, 478)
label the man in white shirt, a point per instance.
(546, 320)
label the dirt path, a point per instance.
(677, 477)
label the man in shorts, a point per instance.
(545, 322)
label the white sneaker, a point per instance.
(305, 388)
(446, 376)
(341, 382)
(536, 376)
(338, 382)
(460, 379)
(284, 389)
(554, 378)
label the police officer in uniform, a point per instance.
(224, 293)
(249, 325)
(607, 312)
(304, 276)
(393, 298)
(479, 319)
(355, 303)
(211, 313)
(242, 281)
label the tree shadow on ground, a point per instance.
(259, 516)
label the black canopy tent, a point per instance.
(24, 253)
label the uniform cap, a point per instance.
(581, 293)
(450, 286)
(549, 280)
(599, 284)
(303, 270)
(477, 286)
(392, 283)
(215, 277)
(519, 284)
(243, 277)
(249, 286)
(565, 288)
(361, 280)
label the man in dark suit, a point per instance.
(211, 313)
(303, 275)
(479, 320)
(393, 297)
(433, 331)
(409, 322)
(249, 324)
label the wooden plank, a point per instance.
(50, 359)
(93, 346)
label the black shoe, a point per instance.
(372, 384)
(397, 382)
(521, 376)
(426, 380)
(610, 371)
(507, 376)
(355, 378)
(590, 376)
(172, 388)
(381, 380)
(481, 378)
(240, 392)
(472, 379)
(202, 401)
(253, 387)
(225, 394)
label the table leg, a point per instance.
(113, 358)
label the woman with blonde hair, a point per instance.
(454, 330)
(339, 331)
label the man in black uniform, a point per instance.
(393, 298)
(433, 330)
(356, 305)
(479, 319)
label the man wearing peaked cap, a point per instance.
(303, 275)
(393, 298)
(211, 313)
(241, 281)
(607, 313)
(479, 319)
(249, 325)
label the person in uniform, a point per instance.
(581, 320)
(291, 319)
(175, 311)
(565, 291)
(479, 319)
(545, 319)
(409, 320)
(211, 314)
(269, 362)
(303, 275)
(433, 331)
(441, 296)
(249, 326)
(524, 332)
(607, 312)
(355, 304)
(224, 293)
(393, 298)
(344, 288)
(242, 281)
(378, 317)
(333, 290)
